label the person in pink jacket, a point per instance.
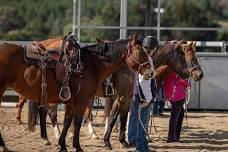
(174, 91)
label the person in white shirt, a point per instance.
(142, 97)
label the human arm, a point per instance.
(146, 90)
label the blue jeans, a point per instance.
(159, 103)
(158, 107)
(136, 134)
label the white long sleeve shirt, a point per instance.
(144, 84)
(146, 88)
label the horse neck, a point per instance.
(161, 73)
(111, 68)
(51, 43)
(118, 58)
(162, 56)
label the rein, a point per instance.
(187, 101)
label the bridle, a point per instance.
(72, 63)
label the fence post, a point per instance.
(224, 47)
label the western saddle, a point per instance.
(65, 60)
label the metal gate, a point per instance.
(212, 91)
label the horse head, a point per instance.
(70, 45)
(192, 61)
(186, 63)
(173, 54)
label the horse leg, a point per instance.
(20, 105)
(89, 122)
(66, 124)
(113, 116)
(107, 109)
(53, 116)
(77, 127)
(71, 131)
(2, 143)
(3, 147)
(123, 122)
(43, 130)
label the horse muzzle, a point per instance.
(197, 74)
(148, 74)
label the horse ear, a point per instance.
(184, 41)
(194, 44)
(133, 38)
(179, 44)
(98, 40)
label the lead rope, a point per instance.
(173, 93)
(152, 122)
(187, 100)
(140, 108)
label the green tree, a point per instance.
(185, 13)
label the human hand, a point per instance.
(144, 104)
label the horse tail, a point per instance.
(31, 74)
(33, 112)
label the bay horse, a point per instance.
(123, 78)
(99, 62)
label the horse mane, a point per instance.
(110, 51)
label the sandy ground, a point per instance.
(207, 131)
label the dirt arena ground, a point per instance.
(207, 131)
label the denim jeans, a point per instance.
(136, 134)
(158, 107)
(159, 103)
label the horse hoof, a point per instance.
(124, 144)
(46, 142)
(63, 150)
(4, 149)
(108, 147)
(18, 122)
(94, 136)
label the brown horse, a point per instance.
(99, 62)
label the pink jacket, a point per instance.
(174, 87)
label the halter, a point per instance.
(191, 65)
(136, 61)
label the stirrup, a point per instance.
(61, 92)
(107, 91)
